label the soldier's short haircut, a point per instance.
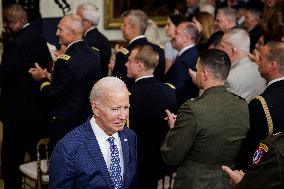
(90, 12)
(148, 56)
(138, 18)
(217, 62)
(275, 52)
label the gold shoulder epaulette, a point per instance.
(64, 57)
(96, 49)
(267, 114)
(123, 50)
(171, 85)
(44, 84)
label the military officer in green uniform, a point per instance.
(208, 131)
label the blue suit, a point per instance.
(179, 77)
(77, 161)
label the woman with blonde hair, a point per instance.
(205, 25)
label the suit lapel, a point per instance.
(125, 150)
(95, 152)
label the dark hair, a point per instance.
(176, 19)
(217, 62)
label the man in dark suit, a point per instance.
(84, 157)
(267, 119)
(74, 74)
(149, 99)
(133, 28)
(184, 42)
(92, 36)
(22, 112)
(209, 130)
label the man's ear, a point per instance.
(273, 66)
(94, 108)
(205, 74)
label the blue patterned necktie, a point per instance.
(115, 169)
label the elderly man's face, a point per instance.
(112, 111)
(263, 64)
(127, 29)
(179, 37)
(63, 31)
(221, 21)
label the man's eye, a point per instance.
(114, 108)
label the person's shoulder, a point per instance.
(74, 139)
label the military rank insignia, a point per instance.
(258, 154)
(64, 57)
(123, 50)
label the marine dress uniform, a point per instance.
(75, 72)
(208, 133)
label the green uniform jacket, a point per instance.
(208, 133)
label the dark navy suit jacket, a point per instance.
(77, 161)
(178, 75)
(273, 96)
(94, 38)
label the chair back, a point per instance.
(40, 170)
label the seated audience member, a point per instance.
(89, 13)
(149, 98)
(225, 20)
(267, 168)
(244, 79)
(209, 130)
(253, 26)
(170, 52)
(266, 110)
(184, 42)
(100, 153)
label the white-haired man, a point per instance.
(244, 79)
(89, 13)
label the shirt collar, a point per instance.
(91, 28)
(184, 49)
(143, 77)
(99, 132)
(274, 80)
(138, 37)
(74, 43)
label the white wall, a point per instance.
(49, 8)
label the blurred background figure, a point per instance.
(89, 13)
(171, 53)
(205, 25)
(23, 111)
(152, 33)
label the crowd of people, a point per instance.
(198, 107)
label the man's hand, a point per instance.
(236, 176)
(171, 118)
(38, 73)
